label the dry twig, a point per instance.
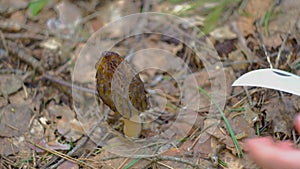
(281, 49)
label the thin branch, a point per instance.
(242, 42)
(22, 54)
(62, 155)
(261, 39)
(65, 83)
(281, 49)
(179, 160)
(83, 141)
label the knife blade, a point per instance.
(272, 79)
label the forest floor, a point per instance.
(188, 54)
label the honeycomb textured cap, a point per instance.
(107, 66)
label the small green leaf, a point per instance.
(37, 6)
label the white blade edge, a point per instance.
(272, 79)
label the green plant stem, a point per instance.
(228, 126)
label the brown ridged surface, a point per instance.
(106, 67)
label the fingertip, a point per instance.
(297, 123)
(256, 143)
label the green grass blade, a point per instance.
(132, 163)
(257, 130)
(266, 21)
(228, 126)
(211, 20)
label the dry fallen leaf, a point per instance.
(69, 14)
(239, 62)
(222, 33)
(67, 125)
(231, 161)
(53, 145)
(285, 19)
(68, 165)
(14, 120)
(256, 9)
(7, 147)
(12, 5)
(280, 113)
(10, 84)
